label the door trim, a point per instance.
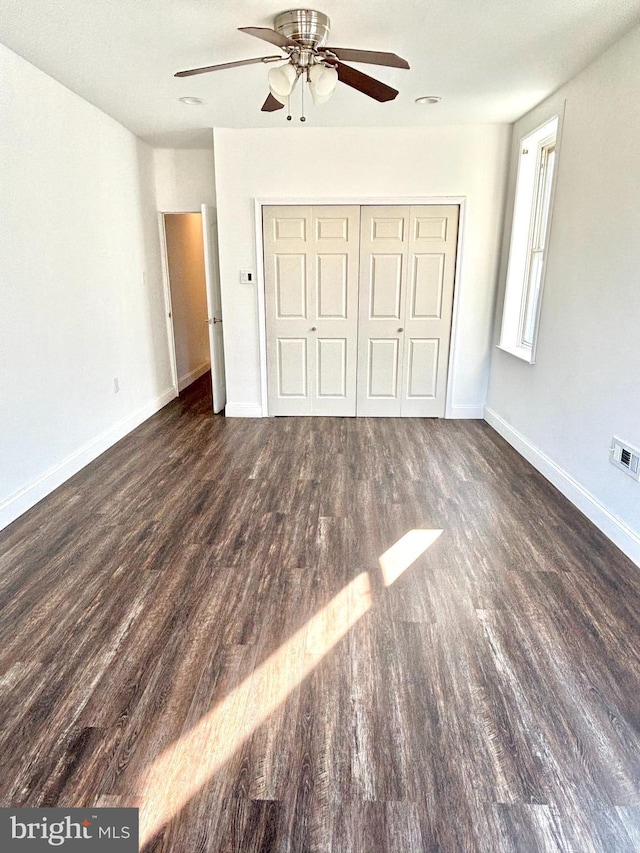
(259, 203)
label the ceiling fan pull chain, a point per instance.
(302, 117)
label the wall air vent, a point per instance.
(625, 456)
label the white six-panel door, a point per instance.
(407, 271)
(384, 247)
(359, 303)
(311, 285)
(433, 238)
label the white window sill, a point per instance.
(523, 353)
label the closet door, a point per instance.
(311, 284)
(407, 271)
(433, 235)
(384, 246)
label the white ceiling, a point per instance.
(490, 60)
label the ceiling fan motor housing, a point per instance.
(307, 27)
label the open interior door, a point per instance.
(214, 306)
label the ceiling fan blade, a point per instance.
(208, 68)
(271, 104)
(373, 57)
(270, 35)
(365, 84)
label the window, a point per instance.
(529, 238)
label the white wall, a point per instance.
(343, 163)
(584, 388)
(80, 285)
(185, 260)
(185, 179)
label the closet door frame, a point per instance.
(259, 203)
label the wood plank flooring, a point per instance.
(198, 624)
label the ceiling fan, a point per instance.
(302, 35)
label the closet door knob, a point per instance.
(401, 329)
(313, 328)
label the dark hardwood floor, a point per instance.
(198, 624)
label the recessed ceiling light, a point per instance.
(428, 99)
(193, 102)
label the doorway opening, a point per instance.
(187, 291)
(192, 292)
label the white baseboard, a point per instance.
(613, 527)
(196, 373)
(242, 410)
(475, 413)
(22, 500)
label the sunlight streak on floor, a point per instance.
(406, 551)
(180, 771)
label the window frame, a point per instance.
(530, 232)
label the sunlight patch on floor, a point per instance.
(406, 551)
(185, 767)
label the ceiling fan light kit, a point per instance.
(323, 80)
(282, 79)
(302, 36)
